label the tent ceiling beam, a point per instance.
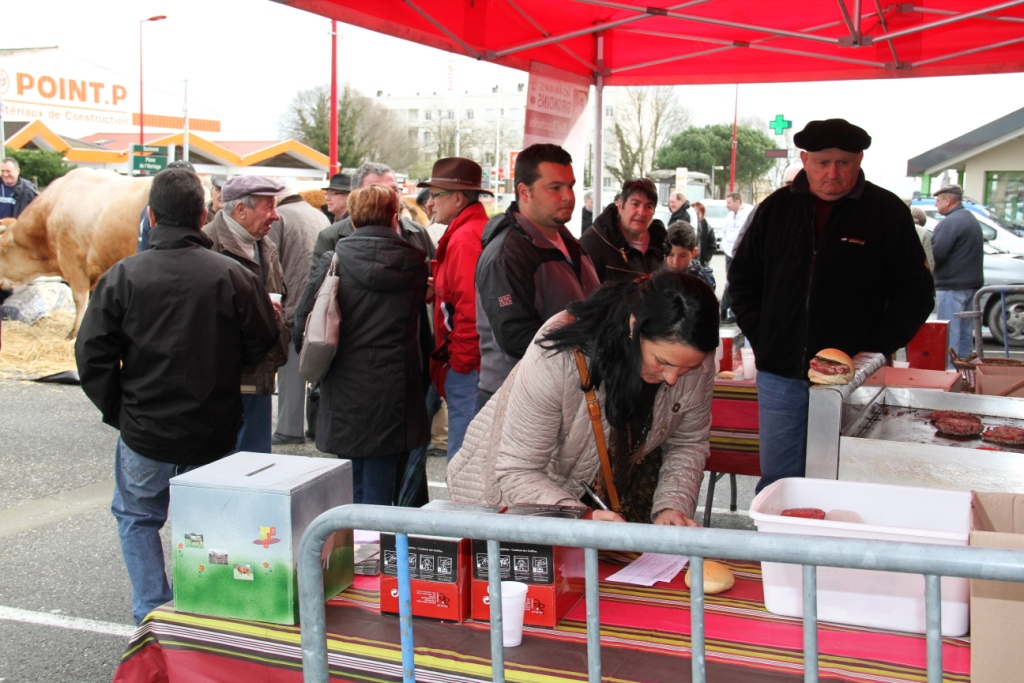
(949, 20)
(544, 32)
(596, 28)
(885, 27)
(949, 12)
(715, 22)
(440, 27)
(972, 51)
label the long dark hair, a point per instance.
(668, 306)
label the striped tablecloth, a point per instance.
(644, 634)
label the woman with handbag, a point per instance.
(373, 399)
(614, 393)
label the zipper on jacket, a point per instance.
(810, 280)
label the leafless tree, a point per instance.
(645, 119)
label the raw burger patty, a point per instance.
(959, 427)
(1008, 436)
(807, 513)
(945, 414)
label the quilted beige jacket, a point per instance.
(533, 442)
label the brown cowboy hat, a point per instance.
(455, 173)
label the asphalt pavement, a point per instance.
(64, 597)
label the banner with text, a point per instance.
(555, 107)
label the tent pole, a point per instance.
(598, 126)
(333, 156)
(732, 164)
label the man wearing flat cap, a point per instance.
(239, 231)
(958, 247)
(831, 261)
(455, 190)
(216, 203)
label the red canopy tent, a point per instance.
(708, 41)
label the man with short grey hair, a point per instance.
(16, 193)
(239, 231)
(678, 205)
(958, 247)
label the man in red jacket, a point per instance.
(455, 190)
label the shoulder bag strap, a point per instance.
(594, 409)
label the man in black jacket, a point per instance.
(831, 261)
(160, 353)
(626, 241)
(16, 193)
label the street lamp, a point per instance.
(713, 187)
(142, 119)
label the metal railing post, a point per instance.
(698, 664)
(494, 607)
(593, 589)
(405, 609)
(810, 623)
(933, 626)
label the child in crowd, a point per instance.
(682, 239)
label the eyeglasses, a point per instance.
(440, 194)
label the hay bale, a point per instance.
(31, 351)
(315, 198)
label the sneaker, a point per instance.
(284, 440)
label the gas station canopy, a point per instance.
(708, 41)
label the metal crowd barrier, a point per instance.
(932, 561)
(976, 314)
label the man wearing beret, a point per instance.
(831, 261)
(958, 247)
(239, 231)
(455, 190)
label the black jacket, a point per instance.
(413, 232)
(959, 249)
(373, 399)
(614, 258)
(163, 342)
(681, 214)
(24, 193)
(864, 286)
(522, 279)
(706, 242)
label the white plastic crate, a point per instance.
(889, 600)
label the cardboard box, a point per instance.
(997, 607)
(236, 526)
(439, 569)
(991, 379)
(554, 574)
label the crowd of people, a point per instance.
(520, 327)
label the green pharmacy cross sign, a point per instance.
(780, 124)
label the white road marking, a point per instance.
(60, 621)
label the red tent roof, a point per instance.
(709, 41)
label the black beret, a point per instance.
(838, 133)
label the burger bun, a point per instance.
(836, 356)
(717, 577)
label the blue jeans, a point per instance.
(460, 391)
(961, 330)
(141, 497)
(254, 434)
(373, 479)
(782, 426)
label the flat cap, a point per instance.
(838, 133)
(245, 185)
(951, 188)
(218, 180)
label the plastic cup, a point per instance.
(719, 352)
(276, 298)
(513, 608)
(901, 363)
(749, 368)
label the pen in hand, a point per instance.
(594, 496)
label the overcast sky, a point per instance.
(245, 59)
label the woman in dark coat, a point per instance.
(372, 399)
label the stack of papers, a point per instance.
(649, 569)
